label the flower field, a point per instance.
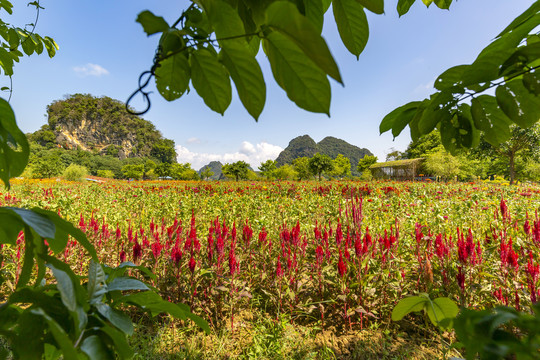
(335, 254)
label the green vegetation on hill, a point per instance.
(102, 125)
(305, 146)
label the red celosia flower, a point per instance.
(342, 267)
(192, 264)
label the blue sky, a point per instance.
(103, 51)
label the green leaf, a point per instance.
(352, 25)
(79, 290)
(152, 302)
(315, 13)
(451, 79)
(376, 6)
(151, 23)
(442, 310)
(403, 6)
(120, 270)
(489, 118)
(486, 66)
(6, 61)
(14, 148)
(59, 334)
(40, 224)
(122, 347)
(63, 229)
(408, 305)
(304, 82)
(96, 286)
(435, 112)
(94, 347)
(172, 76)
(224, 19)
(211, 80)
(116, 318)
(171, 41)
(399, 118)
(531, 82)
(526, 15)
(125, 283)
(65, 287)
(28, 258)
(284, 17)
(11, 226)
(247, 76)
(518, 103)
(443, 4)
(427, 2)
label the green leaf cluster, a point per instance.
(499, 333)
(214, 41)
(441, 311)
(462, 110)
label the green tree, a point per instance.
(47, 166)
(164, 151)
(135, 172)
(268, 168)
(522, 147)
(206, 173)
(183, 172)
(424, 144)
(163, 170)
(320, 164)
(301, 166)
(366, 162)
(237, 170)
(342, 166)
(75, 172)
(285, 172)
(108, 174)
(441, 163)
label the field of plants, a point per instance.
(329, 256)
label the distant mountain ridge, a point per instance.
(305, 146)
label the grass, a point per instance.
(257, 337)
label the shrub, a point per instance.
(109, 174)
(75, 172)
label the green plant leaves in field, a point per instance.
(151, 23)
(440, 311)
(14, 148)
(172, 76)
(303, 81)
(352, 24)
(211, 80)
(247, 76)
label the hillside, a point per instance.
(331, 146)
(102, 125)
(215, 167)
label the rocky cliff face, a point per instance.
(101, 125)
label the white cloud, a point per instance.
(90, 70)
(254, 155)
(193, 140)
